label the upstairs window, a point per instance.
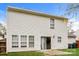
(15, 41)
(52, 21)
(23, 41)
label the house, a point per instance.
(77, 43)
(71, 40)
(77, 34)
(30, 30)
(2, 31)
(2, 39)
(2, 45)
(77, 38)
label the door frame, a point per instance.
(46, 42)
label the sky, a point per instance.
(49, 8)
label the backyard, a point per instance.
(27, 53)
(74, 52)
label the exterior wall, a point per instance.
(60, 30)
(27, 24)
(71, 40)
(77, 34)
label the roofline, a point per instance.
(10, 8)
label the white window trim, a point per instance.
(31, 42)
(52, 23)
(22, 41)
(15, 41)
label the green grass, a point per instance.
(75, 52)
(3, 54)
(28, 53)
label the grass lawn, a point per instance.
(28, 53)
(75, 52)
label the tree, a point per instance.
(72, 12)
(2, 30)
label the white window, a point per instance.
(23, 41)
(52, 23)
(59, 39)
(15, 41)
(31, 41)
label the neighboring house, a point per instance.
(2, 38)
(77, 38)
(77, 43)
(28, 31)
(77, 34)
(2, 45)
(71, 40)
(2, 31)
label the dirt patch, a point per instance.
(54, 52)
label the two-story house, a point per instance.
(29, 30)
